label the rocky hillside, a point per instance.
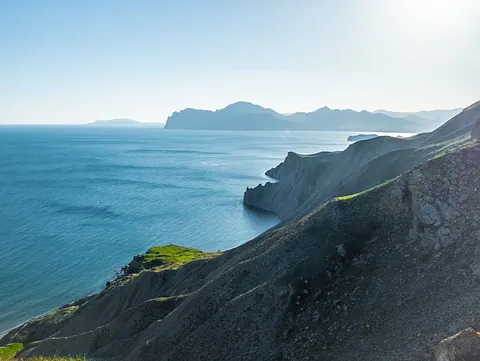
(306, 181)
(384, 274)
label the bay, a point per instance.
(77, 203)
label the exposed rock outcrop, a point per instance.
(295, 162)
(359, 137)
(464, 346)
(476, 129)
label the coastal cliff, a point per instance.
(383, 273)
(306, 181)
(323, 176)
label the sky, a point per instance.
(73, 62)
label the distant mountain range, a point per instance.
(248, 116)
(432, 118)
(122, 122)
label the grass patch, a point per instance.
(55, 358)
(350, 196)
(10, 350)
(41, 358)
(58, 315)
(347, 197)
(451, 149)
(444, 153)
(171, 257)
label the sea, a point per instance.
(78, 202)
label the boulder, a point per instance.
(464, 346)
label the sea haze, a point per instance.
(77, 203)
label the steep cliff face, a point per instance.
(295, 162)
(306, 181)
(321, 175)
(383, 275)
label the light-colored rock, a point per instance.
(428, 214)
(464, 346)
(396, 192)
(341, 250)
(476, 129)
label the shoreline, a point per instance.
(113, 276)
(74, 299)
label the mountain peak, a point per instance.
(242, 103)
(322, 109)
(243, 107)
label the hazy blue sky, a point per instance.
(77, 61)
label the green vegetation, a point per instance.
(171, 257)
(347, 197)
(54, 317)
(350, 196)
(451, 149)
(10, 350)
(41, 358)
(55, 358)
(59, 315)
(444, 153)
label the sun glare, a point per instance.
(436, 11)
(418, 20)
(431, 7)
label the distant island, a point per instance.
(358, 137)
(122, 122)
(248, 116)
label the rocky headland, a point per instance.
(358, 137)
(377, 258)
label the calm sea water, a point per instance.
(77, 203)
